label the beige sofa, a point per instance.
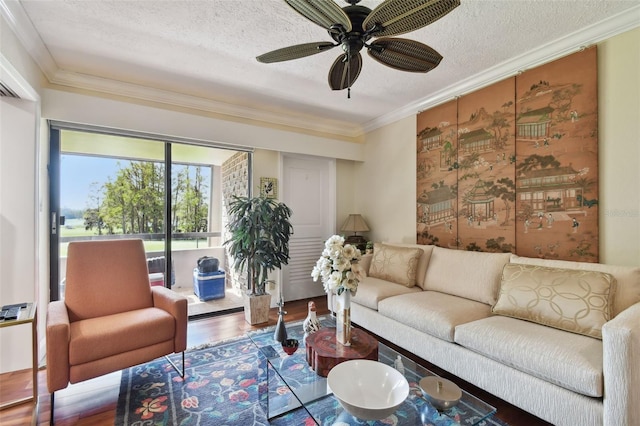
(558, 339)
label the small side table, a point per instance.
(27, 315)
(324, 353)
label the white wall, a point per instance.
(387, 178)
(23, 241)
(265, 164)
(18, 224)
(346, 188)
(619, 136)
(386, 182)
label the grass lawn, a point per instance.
(75, 228)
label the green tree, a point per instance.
(178, 182)
(190, 202)
(92, 220)
(536, 161)
(500, 123)
(586, 185)
(92, 215)
(133, 201)
(562, 99)
(498, 245)
(505, 189)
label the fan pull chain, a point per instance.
(348, 76)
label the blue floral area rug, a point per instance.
(225, 384)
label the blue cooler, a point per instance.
(208, 285)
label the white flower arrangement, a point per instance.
(338, 266)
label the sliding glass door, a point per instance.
(107, 186)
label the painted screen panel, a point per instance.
(557, 159)
(486, 168)
(436, 203)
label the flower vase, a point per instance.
(343, 318)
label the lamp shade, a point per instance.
(354, 223)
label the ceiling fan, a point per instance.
(351, 27)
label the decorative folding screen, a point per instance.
(513, 167)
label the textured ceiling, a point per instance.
(207, 49)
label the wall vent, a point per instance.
(6, 91)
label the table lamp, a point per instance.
(354, 223)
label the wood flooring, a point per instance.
(93, 403)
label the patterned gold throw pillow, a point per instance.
(395, 264)
(573, 300)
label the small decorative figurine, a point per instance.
(311, 324)
(399, 365)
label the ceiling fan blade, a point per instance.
(404, 55)
(322, 12)
(402, 16)
(342, 76)
(295, 52)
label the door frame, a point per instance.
(330, 203)
(54, 166)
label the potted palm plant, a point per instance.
(259, 243)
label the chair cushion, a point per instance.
(372, 290)
(568, 299)
(105, 278)
(395, 264)
(569, 360)
(97, 338)
(433, 313)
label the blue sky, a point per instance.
(77, 172)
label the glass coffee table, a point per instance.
(294, 385)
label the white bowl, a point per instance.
(369, 390)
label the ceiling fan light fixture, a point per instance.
(351, 27)
(295, 52)
(343, 73)
(323, 13)
(402, 16)
(404, 55)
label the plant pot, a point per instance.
(256, 308)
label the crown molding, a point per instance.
(12, 78)
(136, 91)
(546, 53)
(21, 25)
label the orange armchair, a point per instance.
(111, 317)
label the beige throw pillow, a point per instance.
(573, 300)
(395, 264)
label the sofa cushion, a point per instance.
(468, 274)
(627, 277)
(568, 299)
(395, 264)
(372, 290)
(423, 262)
(569, 360)
(433, 313)
(98, 338)
(364, 264)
